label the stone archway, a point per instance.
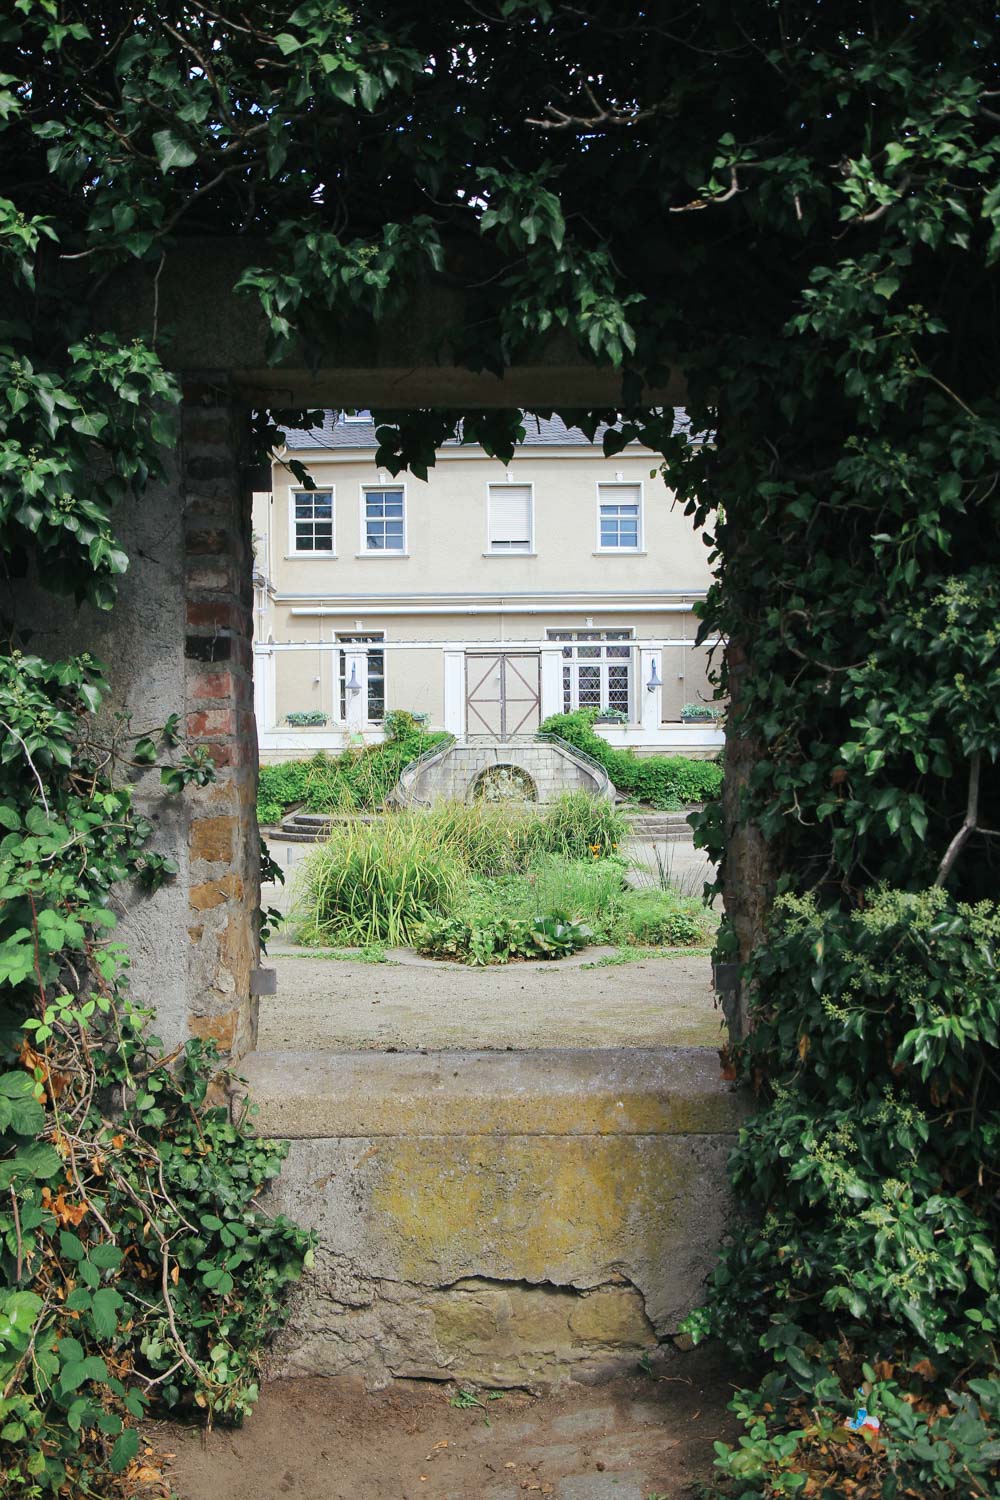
(647, 1143)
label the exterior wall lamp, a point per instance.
(654, 679)
(353, 685)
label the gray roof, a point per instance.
(540, 432)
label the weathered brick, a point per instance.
(211, 576)
(223, 613)
(214, 892)
(211, 540)
(212, 685)
(203, 391)
(221, 1029)
(212, 838)
(200, 470)
(209, 723)
(207, 428)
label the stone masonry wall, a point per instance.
(223, 841)
(452, 777)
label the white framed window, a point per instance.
(363, 415)
(510, 518)
(310, 522)
(363, 673)
(596, 670)
(619, 517)
(383, 518)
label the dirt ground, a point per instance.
(337, 1005)
(639, 1438)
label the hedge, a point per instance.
(664, 781)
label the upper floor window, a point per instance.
(510, 519)
(383, 524)
(312, 521)
(361, 415)
(619, 517)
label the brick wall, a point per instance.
(224, 874)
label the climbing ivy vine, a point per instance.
(797, 207)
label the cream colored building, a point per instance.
(486, 598)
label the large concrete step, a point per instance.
(508, 1218)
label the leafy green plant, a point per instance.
(557, 935)
(662, 781)
(354, 780)
(653, 918)
(847, 362)
(466, 1400)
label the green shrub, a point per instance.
(578, 823)
(356, 780)
(475, 935)
(481, 935)
(664, 781)
(478, 880)
(661, 919)
(279, 787)
(869, 1179)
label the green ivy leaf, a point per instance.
(172, 150)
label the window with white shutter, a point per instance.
(619, 517)
(510, 528)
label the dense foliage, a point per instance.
(355, 780)
(377, 881)
(796, 205)
(662, 781)
(555, 903)
(136, 1264)
(485, 883)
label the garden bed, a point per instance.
(487, 884)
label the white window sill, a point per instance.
(310, 557)
(510, 554)
(377, 556)
(619, 552)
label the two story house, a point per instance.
(486, 598)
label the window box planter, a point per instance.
(701, 713)
(611, 716)
(308, 719)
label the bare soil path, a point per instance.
(338, 1005)
(630, 1439)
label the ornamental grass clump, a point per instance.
(373, 882)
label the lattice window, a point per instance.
(371, 680)
(596, 673)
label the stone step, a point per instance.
(507, 1218)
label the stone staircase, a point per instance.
(661, 827)
(311, 828)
